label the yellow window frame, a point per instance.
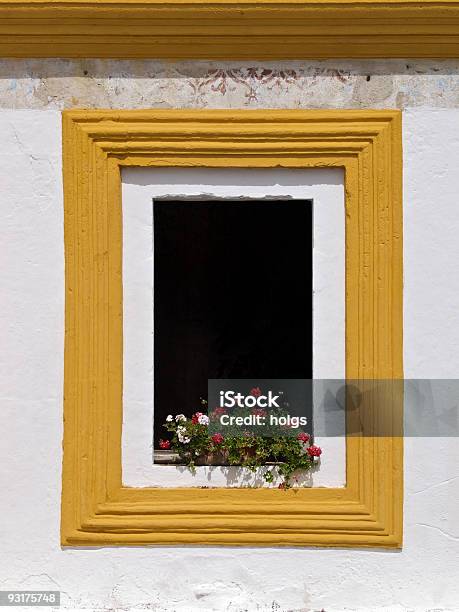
(96, 508)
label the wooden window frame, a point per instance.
(96, 508)
(233, 29)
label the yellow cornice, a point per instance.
(243, 30)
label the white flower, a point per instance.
(180, 417)
(169, 418)
(181, 431)
(203, 419)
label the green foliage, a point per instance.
(277, 451)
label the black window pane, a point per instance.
(232, 296)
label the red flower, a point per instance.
(303, 437)
(195, 417)
(314, 451)
(165, 444)
(259, 412)
(282, 485)
(217, 438)
(256, 392)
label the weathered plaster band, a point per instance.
(58, 84)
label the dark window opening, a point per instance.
(232, 296)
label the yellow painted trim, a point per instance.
(96, 508)
(229, 29)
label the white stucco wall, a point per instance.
(423, 576)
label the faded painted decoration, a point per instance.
(60, 84)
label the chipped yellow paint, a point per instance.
(96, 508)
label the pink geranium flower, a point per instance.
(314, 451)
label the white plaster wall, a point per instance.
(421, 577)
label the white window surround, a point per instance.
(140, 186)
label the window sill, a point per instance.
(167, 457)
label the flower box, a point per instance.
(192, 444)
